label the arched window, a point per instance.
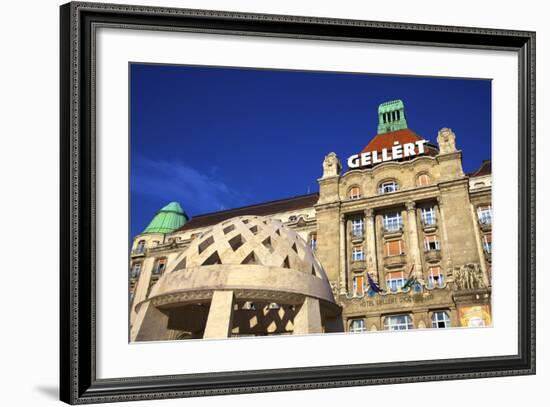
(357, 325)
(359, 286)
(395, 280)
(387, 187)
(136, 270)
(313, 241)
(140, 248)
(485, 214)
(440, 319)
(160, 266)
(423, 180)
(398, 322)
(354, 192)
(435, 277)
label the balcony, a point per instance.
(429, 225)
(139, 252)
(395, 261)
(486, 224)
(357, 236)
(432, 256)
(391, 230)
(358, 265)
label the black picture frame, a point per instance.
(78, 381)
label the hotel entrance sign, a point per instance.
(396, 152)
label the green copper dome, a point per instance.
(168, 219)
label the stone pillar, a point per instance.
(370, 236)
(421, 319)
(220, 316)
(413, 239)
(453, 316)
(343, 262)
(445, 252)
(151, 324)
(308, 318)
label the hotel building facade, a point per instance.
(400, 240)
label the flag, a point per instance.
(374, 287)
(411, 279)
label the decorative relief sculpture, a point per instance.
(469, 276)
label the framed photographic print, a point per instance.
(310, 202)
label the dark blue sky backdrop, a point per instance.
(219, 138)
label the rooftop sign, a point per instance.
(396, 152)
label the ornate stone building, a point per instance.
(400, 240)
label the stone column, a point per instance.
(220, 316)
(151, 324)
(413, 239)
(343, 262)
(308, 318)
(445, 252)
(370, 235)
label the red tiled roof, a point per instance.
(485, 169)
(262, 209)
(386, 140)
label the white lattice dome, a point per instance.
(255, 256)
(247, 275)
(251, 240)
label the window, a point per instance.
(395, 280)
(357, 227)
(435, 277)
(140, 248)
(485, 215)
(487, 242)
(357, 253)
(160, 266)
(354, 193)
(357, 325)
(393, 248)
(431, 242)
(313, 241)
(136, 269)
(440, 319)
(398, 322)
(392, 222)
(423, 180)
(359, 286)
(428, 216)
(387, 187)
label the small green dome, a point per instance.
(168, 219)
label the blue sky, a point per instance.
(218, 138)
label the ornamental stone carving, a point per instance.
(446, 141)
(331, 165)
(469, 276)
